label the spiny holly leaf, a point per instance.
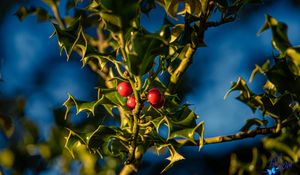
(246, 96)
(280, 107)
(184, 125)
(174, 155)
(254, 101)
(195, 7)
(253, 121)
(270, 88)
(73, 140)
(192, 7)
(118, 16)
(280, 39)
(181, 124)
(283, 79)
(74, 38)
(113, 96)
(260, 69)
(158, 121)
(102, 59)
(42, 14)
(67, 38)
(89, 107)
(104, 141)
(241, 86)
(143, 50)
(176, 31)
(81, 42)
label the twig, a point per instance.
(237, 136)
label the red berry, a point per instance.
(160, 104)
(131, 102)
(124, 89)
(154, 96)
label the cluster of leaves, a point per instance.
(123, 50)
(25, 150)
(280, 101)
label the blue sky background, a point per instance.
(32, 68)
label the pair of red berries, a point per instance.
(155, 97)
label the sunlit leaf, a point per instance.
(260, 69)
(89, 107)
(293, 54)
(241, 86)
(280, 39)
(174, 156)
(73, 140)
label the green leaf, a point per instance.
(251, 122)
(113, 96)
(192, 7)
(73, 140)
(260, 69)
(280, 39)
(246, 96)
(280, 107)
(174, 156)
(89, 107)
(184, 126)
(113, 22)
(102, 59)
(143, 48)
(283, 79)
(67, 38)
(170, 6)
(158, 121)
(293, 54)
(119, 16)
(270, 88)
(176, 31)
(104, 141)
(241, 86)
(253, 102)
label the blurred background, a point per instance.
(35, 80)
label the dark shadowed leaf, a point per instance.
(41, 14)
(6, 125)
